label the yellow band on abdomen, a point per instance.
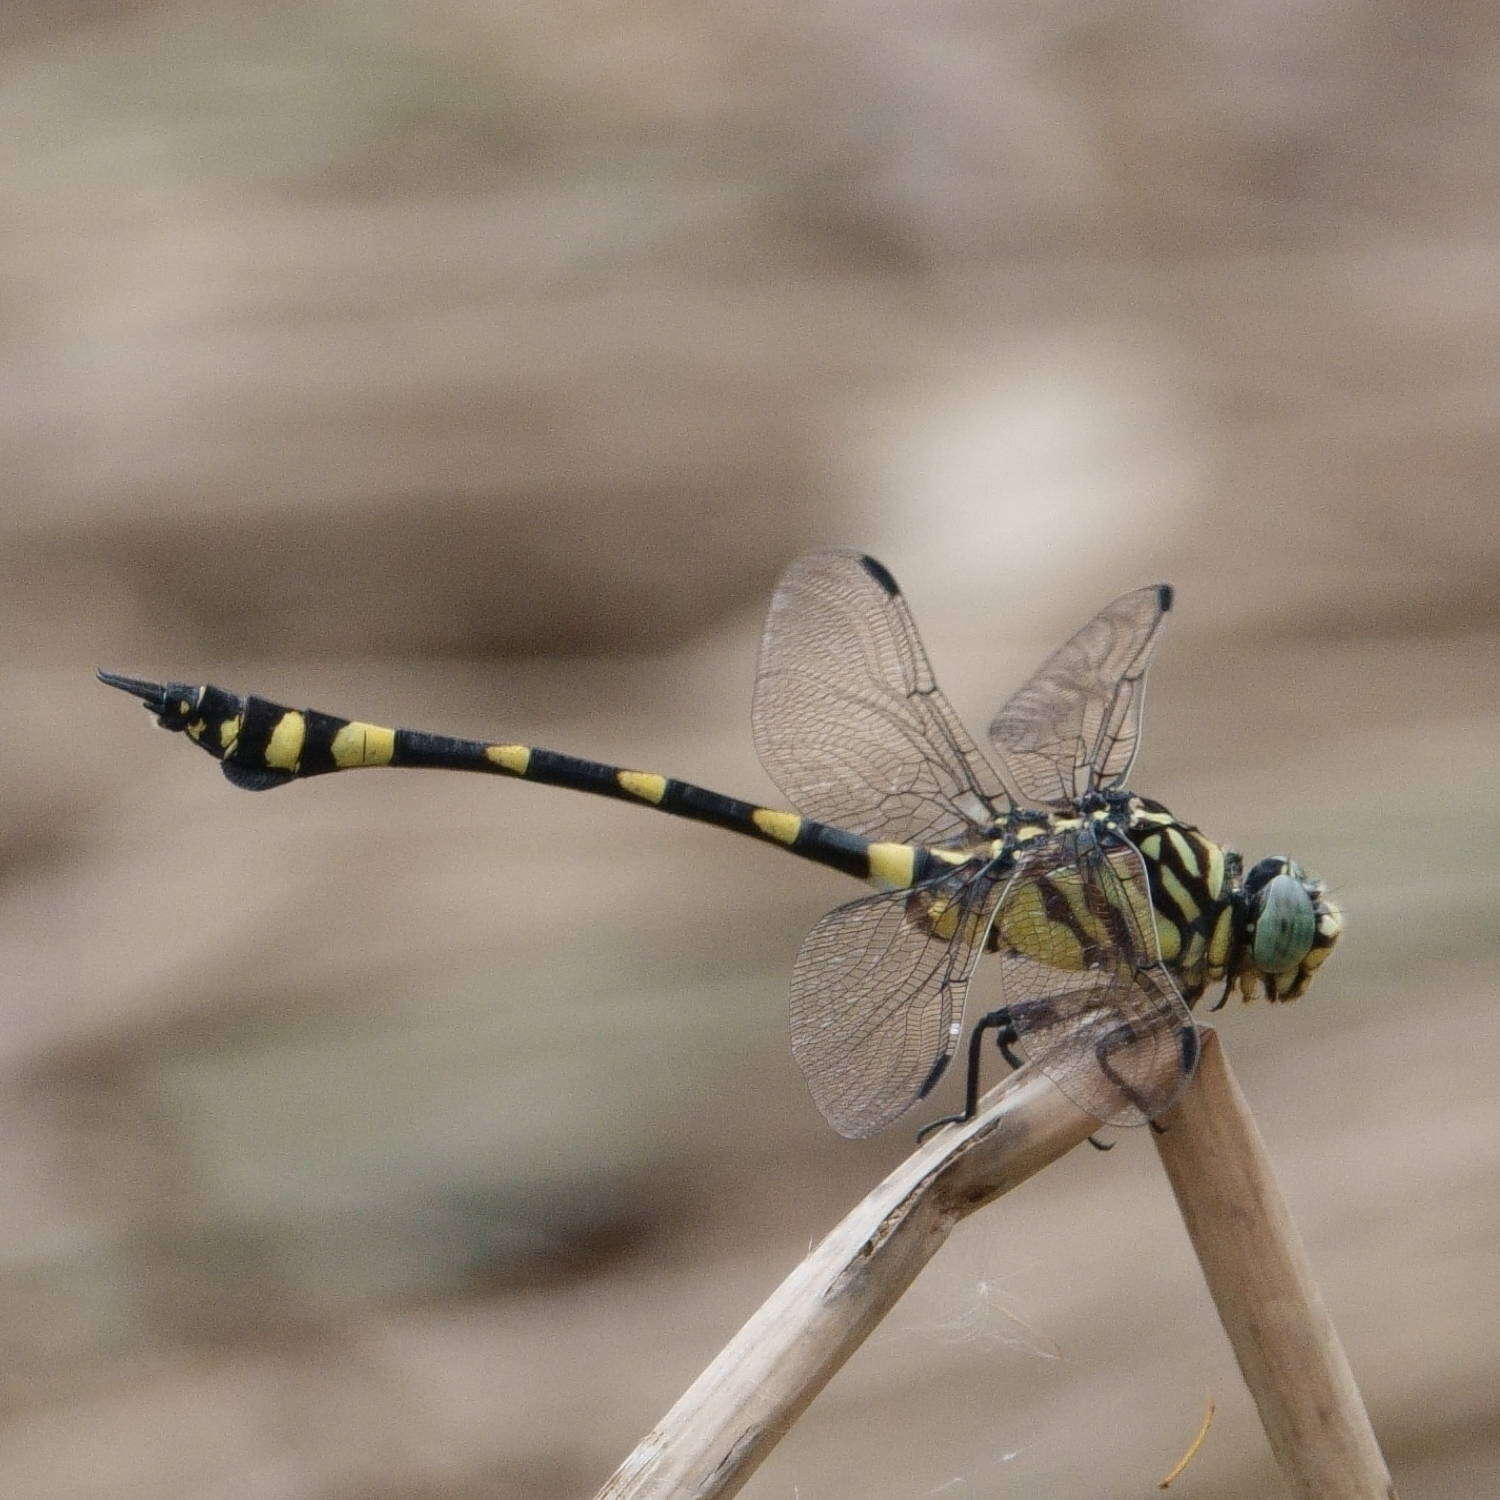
(363, 745)
(284, 748)
(646, 785)
(781, 826)
(892, 865)
(512, 758)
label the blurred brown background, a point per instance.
(478, 367)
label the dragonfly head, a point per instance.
(1290, 927)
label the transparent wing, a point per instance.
(1075, 724)
(1093, 1006)
(848, 719)
(878, 995)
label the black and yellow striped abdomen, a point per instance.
(262, 745)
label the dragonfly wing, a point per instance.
(878, 995)
(1076, 723)
(848, 719)
(1090, 1000)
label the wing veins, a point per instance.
(1110, 998)
(846, 703)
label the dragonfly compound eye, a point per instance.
(1286, 923)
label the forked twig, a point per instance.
(1259, 1277)
(731, 1417)
(712, 1440)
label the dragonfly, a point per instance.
(1108, 917)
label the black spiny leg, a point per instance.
(1006, 1041)
(1190, 1047)
(1000, 1022)
(1003, 1025)
(1123, 1036)
(1112, 1041)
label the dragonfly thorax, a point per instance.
(1094, 802)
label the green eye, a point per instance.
(1285, 926)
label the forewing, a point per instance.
(1093, 1005)
(1076, 723)
(848, 719)
(878, 996)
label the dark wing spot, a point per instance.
(881, 574)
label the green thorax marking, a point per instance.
(1192, 883)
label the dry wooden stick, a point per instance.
(1262, 1285)
(711, 1441)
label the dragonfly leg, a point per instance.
(1006, 1036)
(1122, 1036)
(1094, 1140)
(1006, 1039)
(1002, 1023)
(998, 1021)
(1187, 1040)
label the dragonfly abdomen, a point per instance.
(261, 744)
